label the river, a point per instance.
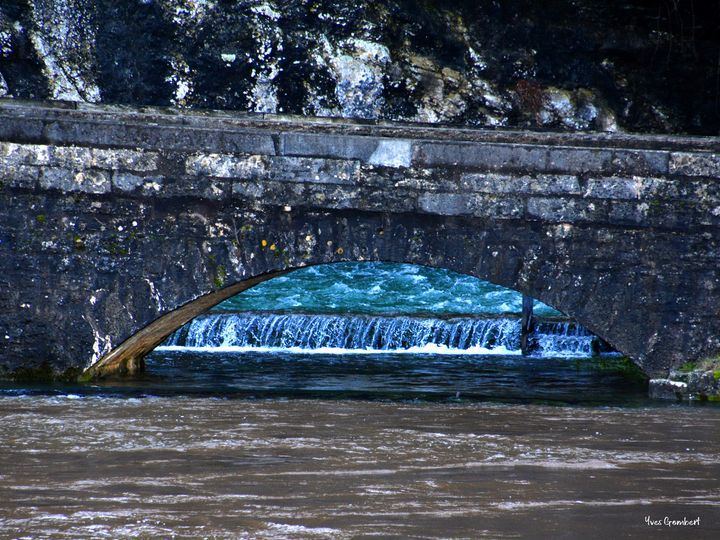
(271, 418)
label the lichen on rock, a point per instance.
(63, 37)
(358, 67)
(579, 65)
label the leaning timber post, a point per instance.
(527, 325)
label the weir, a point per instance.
(111, 220)
(365, 333)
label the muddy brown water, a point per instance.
(202, 467)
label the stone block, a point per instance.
(226, 166)
(24, 154)
(129, 182)
(577, 160)
(266, 193)
(392, 153)
(478, 155)
(445, 204)
(123, 159)
(497, 207)
(667, 389)
(71, 157)
(640, 162)
(613, 188)
(563, 210)
(703, 384)
(695, 164)
(636, 187)
(87, 181)
(437, 181)
(629, 213)
(333, 197)
(21, 128)
(313, 170)
(539, 158)
(19, 176)
(331, 146)
(380, 200)
(249, 190)
(504, 183)
(198, 187)
(594, 160)
(160, 138)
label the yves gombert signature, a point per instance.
(669, 522)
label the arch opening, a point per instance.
(384, 329)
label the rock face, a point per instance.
(113, 219)
(696, 385)
(572, 65)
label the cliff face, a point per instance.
(575, 65)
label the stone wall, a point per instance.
(111, 218)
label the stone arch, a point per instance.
(127, 358)
(111, 220)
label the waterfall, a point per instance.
(563, 338)
(348, 332)
(375, 334)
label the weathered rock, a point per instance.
(667, 389)
(580, 65)
(63, 38)
(704, 385)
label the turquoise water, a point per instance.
(388, 331)
(380, 288)
(379, 308)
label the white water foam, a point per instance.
(372, 334)
(425, 349)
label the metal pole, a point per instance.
(527, 325)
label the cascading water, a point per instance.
(564, 338)
(358, 333)
(309, 333)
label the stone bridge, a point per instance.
(119, 225)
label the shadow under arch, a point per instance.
(128, 358)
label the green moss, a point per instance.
(85, 377)
(716, 374)
(246, 228)
(117, 246)
(45, 374)
(688, 367)
(41, 219)
(631, 371)
(78, 242)
(655, 204)
(613, 364)
(710, 364)
(41, 374)
(116, 249)
(71, 375)
(220, 276)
